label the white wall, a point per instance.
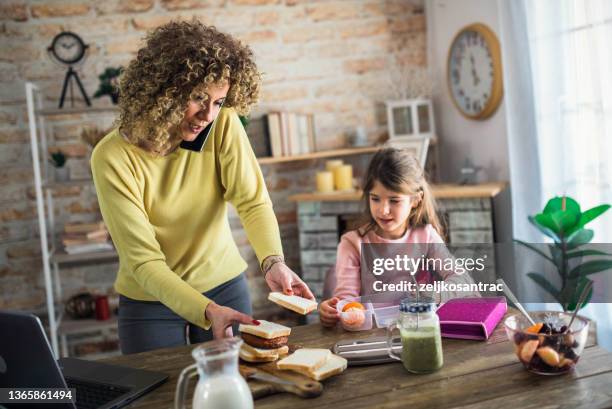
(484, 142)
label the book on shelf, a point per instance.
(84, 227)
(85, 237)
(291, 133)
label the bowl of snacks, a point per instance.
(549, 347)
(355, 316)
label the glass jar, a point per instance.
(419, 327)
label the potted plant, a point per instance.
(58, 160)
(109, 84)
(563, 221)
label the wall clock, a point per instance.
(474, 72)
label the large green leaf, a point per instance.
(586, 253)
(546, 285)
(571, 306)
(545, 230)
(579, 238)
(556, 204)
(565, 221)
(546, 220)
(589, 216)
(535, 249)
(591, 267)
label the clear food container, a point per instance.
(355, 319)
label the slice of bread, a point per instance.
(260, 352)
(293, 302)
(305, 359)
(334, 365)
(265, 329)
(245, 355)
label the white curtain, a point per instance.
(558, 83)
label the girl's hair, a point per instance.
(399, 171)
(178, 61)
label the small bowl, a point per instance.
(548, 351)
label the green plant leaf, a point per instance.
(586, 253)
(545, 284)
(565, 221)
(571, 306)
(591, 267)
(535, 249)
(556, 204)
(589, 216)
(545, 230)
(579, 238)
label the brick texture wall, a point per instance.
(329, 58)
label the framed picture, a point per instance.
(418, 147)
(410, 118)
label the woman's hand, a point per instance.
(222, 319)
(328, 313)
(282, 279)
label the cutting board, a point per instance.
(301, 385)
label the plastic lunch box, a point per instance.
(383, 313)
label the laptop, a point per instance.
(27, 361)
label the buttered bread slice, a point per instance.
(293, 302)
(261, 352)
(305, 359)
(265, 329)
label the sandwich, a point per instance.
(252, 354)
(293, 302)
(317, 364)
(265, 342)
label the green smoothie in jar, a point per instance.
(422, 349)
(419, 327)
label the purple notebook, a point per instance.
(471, 318)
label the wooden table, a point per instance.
(475, 375)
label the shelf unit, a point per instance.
(53, 257)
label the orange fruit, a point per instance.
(353, 304)
(534, 329)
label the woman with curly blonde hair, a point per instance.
(163, 179)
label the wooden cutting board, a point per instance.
(301, 385)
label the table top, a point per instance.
(476, 374)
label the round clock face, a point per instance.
(68, 47)
(474, 72)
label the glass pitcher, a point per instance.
(421, 339)
(220, 385)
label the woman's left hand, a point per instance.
(282, 279)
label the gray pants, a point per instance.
(148, 325)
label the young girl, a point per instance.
(399, 208)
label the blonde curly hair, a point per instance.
(177, 63)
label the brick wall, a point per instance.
(330, 58)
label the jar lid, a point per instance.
(409, 305)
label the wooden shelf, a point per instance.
(441, 191)
(68, 183)
(77, 110)
(72, 326)
(319, 155)
(64, 258)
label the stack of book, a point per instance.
(291, 133)
(86, 237)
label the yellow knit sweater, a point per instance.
(167, 215)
